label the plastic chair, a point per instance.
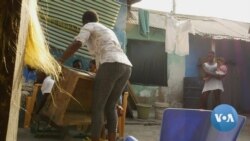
(130, 138)
(194, 125)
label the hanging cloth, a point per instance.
(170, 35)
(177, 40)
(143, 22)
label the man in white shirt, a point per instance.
(47, 85)
(46, 89)
(113, 71)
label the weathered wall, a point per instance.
(176, 73)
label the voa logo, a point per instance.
(224, 117)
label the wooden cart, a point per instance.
(70, 102)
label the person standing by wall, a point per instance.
(113, 71)
(77, 64)
(212, 81)
(29, 74)
(92, 66)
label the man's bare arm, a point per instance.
(72, 48)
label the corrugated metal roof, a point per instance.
(205, 26)
(222, 29)
(62, 19)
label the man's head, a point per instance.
(30, 68)
(92, 66)
(89, 16)
(210, 56)
(77, 64)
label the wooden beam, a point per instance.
(133, 96)
(9, 25)
(17, 79)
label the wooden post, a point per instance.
(9, 25)
(122, 119)
(16, 85)
(17, 18)
(213, 46)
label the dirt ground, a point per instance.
(143, 130)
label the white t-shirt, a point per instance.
(47, 85)
(102, 43)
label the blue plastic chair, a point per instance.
(194, 125)
(130, 138)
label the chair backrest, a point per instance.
(194, 125)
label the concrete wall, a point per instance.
(176, 73)
(172, 94)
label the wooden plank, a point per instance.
(12, 128)
(30, 102)
(133, 100)
(121, 119)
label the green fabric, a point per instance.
(143, 22)
(155, 34)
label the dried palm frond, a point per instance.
(37, 54)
